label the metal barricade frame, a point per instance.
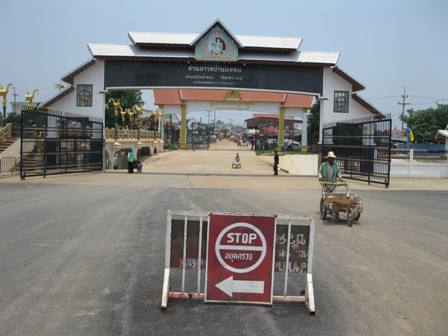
(306, 294)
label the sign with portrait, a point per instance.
(216, 45)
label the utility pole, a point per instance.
(403, 104)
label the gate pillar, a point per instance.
(305, 131)
(183, 129)
(281, 127)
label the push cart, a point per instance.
(337, 199)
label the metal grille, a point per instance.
(54, 143)
(363, 149)
(199, 138)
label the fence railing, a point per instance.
(419, 154)
(6, 132)
(131, 134)
(8, 165)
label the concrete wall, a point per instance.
(334, 82)
(92, 75)
(406, 168)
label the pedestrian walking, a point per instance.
(276, 162)
(131, 159)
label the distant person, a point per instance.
(329, 170)
(252, 144)
(131, 159)
(276, 162)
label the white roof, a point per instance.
(250, 41)
(118, 50)
(162, 38)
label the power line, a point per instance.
(383, 97)
(430, 102)
(425, 97)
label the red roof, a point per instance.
(299, 101)
(167, 96)
(220, 95)
(268, 116)
(179, 96)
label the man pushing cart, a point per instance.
(336, 195)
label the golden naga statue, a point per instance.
(3, 94)
(29, 98)
(130, 113)
(117, 106)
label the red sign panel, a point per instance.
(240, 256)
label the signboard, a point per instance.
(240, 254)
(307, 79)
(216, 45)
(298, 248)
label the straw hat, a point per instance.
(331, 155)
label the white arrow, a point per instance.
(230, 286)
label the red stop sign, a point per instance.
(240, 259)
(240, 247)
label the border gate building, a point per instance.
(214, 59)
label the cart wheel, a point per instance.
(349, 218)
(334, 215)
(323, 210)
(323, 213)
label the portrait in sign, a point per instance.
(216, 45)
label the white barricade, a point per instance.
(241, 256)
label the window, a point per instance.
(341, 101)
(84, 95)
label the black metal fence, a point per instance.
(363, 149)
(58, 143)
(199, 138)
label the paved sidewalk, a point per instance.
(217, 160)
(296, 164)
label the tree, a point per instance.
(59, 86)
(425, 123)
(128, 98)
(314, 124)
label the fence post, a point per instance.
(22, 176)
(411, 161)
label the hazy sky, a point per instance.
(385, 44)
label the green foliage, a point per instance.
(314, 125)
(59, 86)
(425, 123)
(128, 98)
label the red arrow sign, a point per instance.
(240, 259)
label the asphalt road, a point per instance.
(83, 255)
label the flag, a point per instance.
(411, 136)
